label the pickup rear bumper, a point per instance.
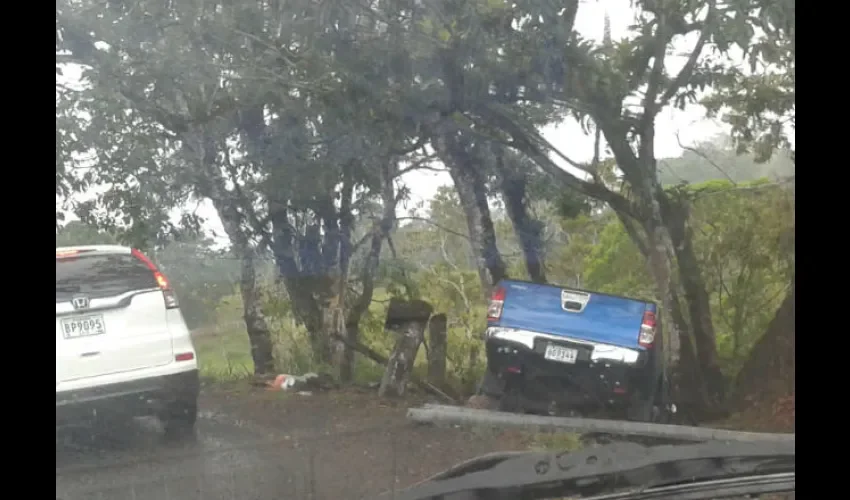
(127, 399)
(601, 375)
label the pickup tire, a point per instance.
(179, 419)
(643, 409)
(639, 410)
(512, 400)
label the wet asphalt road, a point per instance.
(228, 460)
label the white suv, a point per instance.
(122, 346)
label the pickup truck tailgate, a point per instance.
(578, 314)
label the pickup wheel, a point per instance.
(179, 419)
(640, 411)
(641, 408)
(511, 400)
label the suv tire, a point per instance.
(179, 419)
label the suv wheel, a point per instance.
(179, 419)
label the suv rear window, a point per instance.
(102, 275)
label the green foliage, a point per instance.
(759, 101)
(201, 276)
(255, 104)
(223, 348)
(80, 233)
(568, 252)
(457, 293)
(616, 266)
(738, 235)
(556, 441)
(571, 206)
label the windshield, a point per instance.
(97, 276)
(381, 238)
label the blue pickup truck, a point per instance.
(554, 348)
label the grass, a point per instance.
(223, 354)
(555, 441)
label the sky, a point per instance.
(690, 125)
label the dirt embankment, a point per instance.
(355, 443)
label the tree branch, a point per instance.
(438, 226)
(688, 69)
(653, 86)
(522, 142)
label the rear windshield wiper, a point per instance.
(619, 471)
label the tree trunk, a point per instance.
(437, 349)
(472, 191)
(641, 173)
(770, 370)
(259, 335)
(227, 203)
(690, 396)
(660, 257)
(346, 223)
(676, 216)
(299, 287)
(686, 377)
(370, 267)
(407, 321)
(473, 226)
(528, 231)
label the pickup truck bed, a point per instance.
(572, 349)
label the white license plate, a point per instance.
(82, 326)
(560, 354)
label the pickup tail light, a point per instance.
(163, 283)
(497, 303)
(646, 337)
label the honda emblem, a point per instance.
(80, 302)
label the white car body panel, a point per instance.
(136, 335)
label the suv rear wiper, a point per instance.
(619, 471)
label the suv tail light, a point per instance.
(167, 292)
(646, 337)
(69, 254)
(497, 303)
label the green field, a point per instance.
(223, 354)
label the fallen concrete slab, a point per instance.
(468, 416)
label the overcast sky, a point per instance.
(690, 125)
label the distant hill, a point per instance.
(716, 159)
